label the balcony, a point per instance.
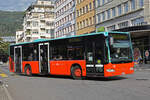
(42, 26)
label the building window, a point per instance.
(77, 13)
(103, 2)
(123, 24)
(35, 23)
(141, 3)
(138, 21)
(86, 8)
(49, 31)
(90, 21)
(80, 11)
(110, 28)
(98, 2)
(35, 32)
(80, 25)
(113, 12)
(83, 10)
(93, 4)
(77, 25)
(108, 14)
(90, 5)
(98, 18)
(126, 7)
(93, 19)
(103, 16)
(119, 10)
(133, 4)
(83, 23)
(87, 22)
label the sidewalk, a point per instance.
(142, 67)
(3, 94)
(4, 64)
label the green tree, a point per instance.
(4, 46)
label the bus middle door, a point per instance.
(44, 58)
(18, 59)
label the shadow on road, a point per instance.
(115, 78)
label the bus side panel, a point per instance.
(120, 69)
(34, 66)
(11, 65)
(64, 67)
(58, 68)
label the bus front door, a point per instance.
(18, 59)
(44, 58)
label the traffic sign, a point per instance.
(146, 53)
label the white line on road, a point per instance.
(8, 94)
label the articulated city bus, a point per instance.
(97, 54)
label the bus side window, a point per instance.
(30, 57)
(59, 53)
(75, 52)
(30, 52)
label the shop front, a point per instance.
(140, 36)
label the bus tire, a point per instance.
(76, 72)
(28, 71)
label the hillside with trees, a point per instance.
(10, 22)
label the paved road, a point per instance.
(129, 87)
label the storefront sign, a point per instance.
(147, 53)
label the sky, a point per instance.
(15, 5)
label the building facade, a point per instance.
(85, 16)
(129, 16)
(39, 20)
(19, 36)
(64, 18)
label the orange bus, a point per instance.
(96, 54)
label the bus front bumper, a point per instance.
(118, 69)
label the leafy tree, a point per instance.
(4, 46)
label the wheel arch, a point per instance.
(27, 66)
(75, 64)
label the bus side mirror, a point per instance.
(111, 39)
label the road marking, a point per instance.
(7, 92)
(3, 75)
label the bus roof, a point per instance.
(44, 40)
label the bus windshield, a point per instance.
(120, 48)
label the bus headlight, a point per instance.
(110, 70)
(131, 68)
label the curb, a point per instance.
(141, 69)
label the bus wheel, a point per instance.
(28, 70)
(76, 72)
